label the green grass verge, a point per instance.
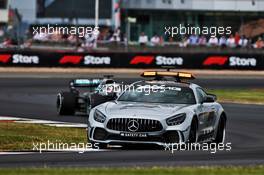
(254, 170)
(253, 96)
(20, 136)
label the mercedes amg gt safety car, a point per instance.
(85, 94)
(162, 109)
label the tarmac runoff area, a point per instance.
(34, 101)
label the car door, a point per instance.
(206, 113)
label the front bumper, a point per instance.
(161, 138)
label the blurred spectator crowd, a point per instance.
(106, 35)
(231, 41)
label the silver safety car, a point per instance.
(162, 109)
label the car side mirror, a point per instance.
(212, 95)
(209, 99)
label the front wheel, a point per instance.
(220, 133)
(193, 131)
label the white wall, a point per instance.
(222, 5)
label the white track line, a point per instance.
(15, 153)
(45, 122)
(77, 125)
(80, 151)
(9, 118)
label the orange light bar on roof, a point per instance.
(149, 74)
(180, 75)
(172, 74)
(185, 75)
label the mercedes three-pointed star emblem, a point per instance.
(133, 125)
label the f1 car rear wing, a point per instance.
(88, 83)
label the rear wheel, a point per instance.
(66, 103)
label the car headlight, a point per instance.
(176, 120)
(99, 116)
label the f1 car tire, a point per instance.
(66, 103)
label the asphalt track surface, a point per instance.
(35, 98)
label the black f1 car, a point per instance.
(85, 94)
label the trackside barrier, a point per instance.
(132, 60)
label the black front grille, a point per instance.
(145, 125)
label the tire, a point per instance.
(220, 133)
(193, 131)
(97, 99)
(66, 103)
